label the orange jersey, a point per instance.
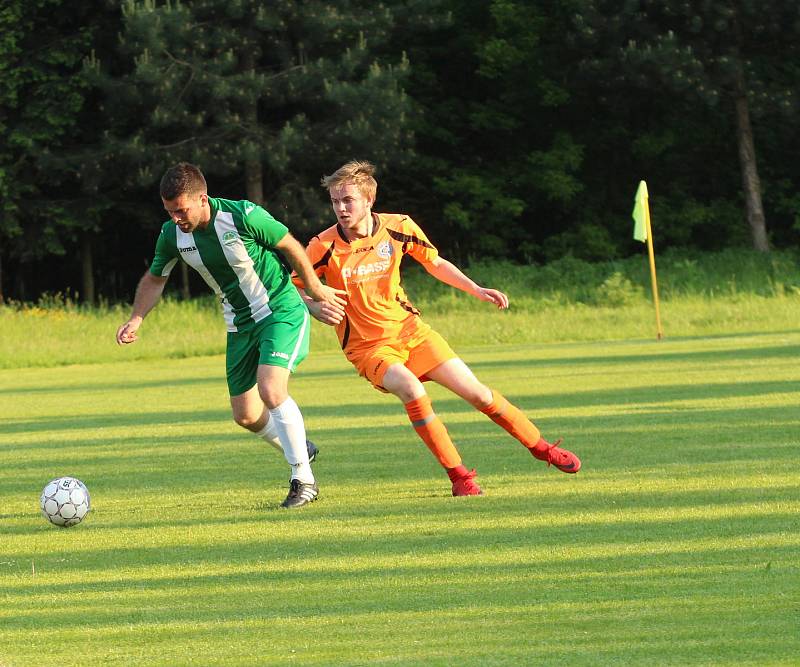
(368, 270)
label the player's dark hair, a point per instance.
(180, 179)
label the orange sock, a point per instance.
(501, 412)
(432, 431)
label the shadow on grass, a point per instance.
(391, 407)
(126, 384)
(279, 559)
(695, 356)
(105, 420)
(121, 383)
(637, 395)
(622, 443)
(662, 427)
(124, 502)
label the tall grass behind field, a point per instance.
(60, 332)
(567, 300)
(618, 282)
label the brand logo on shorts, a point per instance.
(229, 238)
(384, 249)
(282, 355)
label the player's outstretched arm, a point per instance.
(450, 274)
(295, 254)
(148, 293)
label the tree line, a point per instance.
(515, 129)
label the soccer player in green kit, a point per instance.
(233, 245)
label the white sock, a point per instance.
(288, 423)
(269, 434)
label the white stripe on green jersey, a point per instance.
(189, 253)
(235, 255)
(299, 344)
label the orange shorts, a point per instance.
(420, 352)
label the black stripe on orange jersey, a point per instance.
(323, 261)
(407, 238)
(346, 335)
(375, 225)
(406, 306)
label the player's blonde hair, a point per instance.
(359, 173)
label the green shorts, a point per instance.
(278, 340)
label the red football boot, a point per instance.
(563, 459)
(463, 482)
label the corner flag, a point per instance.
(643, 232)
(641, 213)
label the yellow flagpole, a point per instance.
(653, 281)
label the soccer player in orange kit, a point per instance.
(382, 334)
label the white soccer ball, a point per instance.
(65, 501)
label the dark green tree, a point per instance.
(265, 98)
(42, 46)
(735, 57)
(498, 151)
(539, 122)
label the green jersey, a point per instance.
(235, 255)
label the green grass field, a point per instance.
(677, 543)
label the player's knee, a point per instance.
(480, 397)
(272, 397)
(407, 394)
(403, 383)
(246, 420)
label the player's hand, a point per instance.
(127, 332)
(493, 296)
(334, 298)
(326, 313)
